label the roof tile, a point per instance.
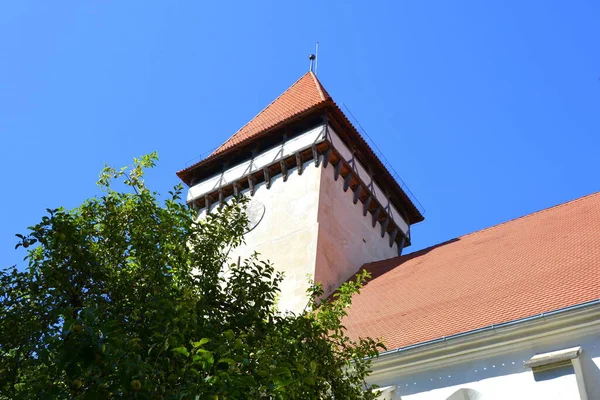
(537, 263)
(305, 94)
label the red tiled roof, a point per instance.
(305, 94)
(305, 97)
(537, 263)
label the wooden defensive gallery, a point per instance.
(508, 312)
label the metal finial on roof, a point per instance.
(316, 57)
(312, 59)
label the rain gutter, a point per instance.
(492, 327)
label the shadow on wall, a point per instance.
(540, 376)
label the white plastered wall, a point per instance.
(347, 239)
(500, 373)
(287, 234)
(311, 228)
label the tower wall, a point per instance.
(313, 226)
(322, 224)
(346, 238)
(287, 234)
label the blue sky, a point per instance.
(488, 110)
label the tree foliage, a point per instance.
(130, 297)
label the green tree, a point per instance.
(130, 297)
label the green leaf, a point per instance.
(200, 343)
(181, 350)
(229, 335)
(309, 380)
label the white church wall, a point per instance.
(287, 234)
(347, 239)
(499, 373)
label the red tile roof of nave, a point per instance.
(538, 263)
(305, 94)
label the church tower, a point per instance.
(322, 202)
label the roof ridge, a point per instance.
(319, 86)
(261, 111)
(543, 210)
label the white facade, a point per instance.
(492, 364)
(287, 233)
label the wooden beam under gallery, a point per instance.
(299, 163)
(284, 170)
(221, 196)
(376, 216)
(326, 157)
(236, 189)
(347, 180)
(251, 184)
(401, 245)
(367, 204)
(393, 235)
(357, 193)
(207, 203)
(337, 170)
(315, 154)
(267, 177)
(384, 226)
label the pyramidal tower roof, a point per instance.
(305, 94)
(303, 104)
